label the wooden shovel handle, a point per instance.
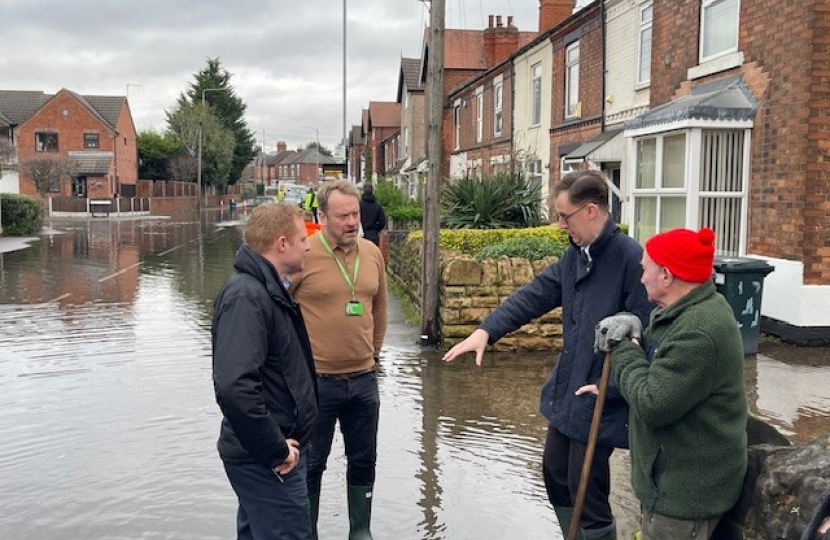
(589, 450)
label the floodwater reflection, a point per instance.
(109, 421)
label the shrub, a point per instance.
(396, 204)
(408, 213)
(21, 215)
(532, 249)
(504, 201)
(471, 241)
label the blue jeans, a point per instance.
(355, 402)
(270, 509)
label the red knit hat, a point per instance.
(687, 254)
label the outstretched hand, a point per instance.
(475, 342)
(612, 330)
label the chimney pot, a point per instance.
(510, 20)
(490, 21)
(498, 21)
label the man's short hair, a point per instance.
(343, 186)
(270, 221)
(583, 187)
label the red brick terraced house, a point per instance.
(383, 120)
(738, 139)
(480, 111)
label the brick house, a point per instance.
(305, 167)
(94, 136)
(412, 149)
(577, 100)
(268, 164)
(480, 141)
(383, 119)
(354, 154)
(737, 139)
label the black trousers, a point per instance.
(562, 467)
(355, 403)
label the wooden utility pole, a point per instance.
(435, 118)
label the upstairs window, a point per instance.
(457, 117)
(572, 105)
(91, 140)
(719, 27)
(497, 115)
(536, 94)
(644, 57)
(46, 141)
(479, 117)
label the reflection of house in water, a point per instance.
(81, 265)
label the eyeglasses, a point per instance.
(567, 217)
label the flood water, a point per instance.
(109, 423)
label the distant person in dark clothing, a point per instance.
(372, 217)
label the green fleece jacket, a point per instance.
(687, 407)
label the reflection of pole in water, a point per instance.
(428, 475)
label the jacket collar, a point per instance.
(697, 295)
(252, 263)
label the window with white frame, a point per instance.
(644, 56)
(536, 94)
(479, 116)
(572, 81)
(718, 27)
(497, 116)
(694, 178)
(457, 117)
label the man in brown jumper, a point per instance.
(342, 292)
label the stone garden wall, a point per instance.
(469, 290)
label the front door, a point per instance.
(79, 186)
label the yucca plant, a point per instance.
(503, 201)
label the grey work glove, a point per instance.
(612, 330)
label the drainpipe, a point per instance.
(604, 59)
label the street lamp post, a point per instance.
(199, 156)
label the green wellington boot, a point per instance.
(563, 514)
(360, 512)
(314, 511)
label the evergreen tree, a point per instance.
(222, 101)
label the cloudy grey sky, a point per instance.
(285, 55)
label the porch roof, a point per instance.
(89, 163)
(722, 100)
(590, 146)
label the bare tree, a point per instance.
(45, 172)
(6, 153)
(183, 167)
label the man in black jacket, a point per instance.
(598, 276)
(264, 378)
(372, 217)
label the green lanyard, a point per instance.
(349, 281)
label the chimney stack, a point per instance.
(553, 12)
(500, 41)
(281, 147)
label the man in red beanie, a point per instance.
(685, 390)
